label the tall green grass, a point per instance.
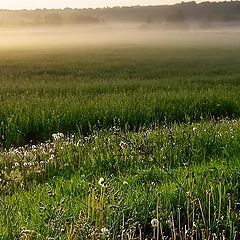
(77, 91)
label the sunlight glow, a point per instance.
(33, 4)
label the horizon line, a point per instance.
(117, 6)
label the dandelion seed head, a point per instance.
(122, 144)
(104, 231)
(101, 182)
(154, 222)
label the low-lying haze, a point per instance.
(75, 36)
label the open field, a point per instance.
(147, 132)
(84, 87)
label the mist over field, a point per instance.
(183, 24)
(110, 35)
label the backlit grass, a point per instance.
(65, 91)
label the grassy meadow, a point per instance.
(126, 141)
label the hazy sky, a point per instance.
(32, 4)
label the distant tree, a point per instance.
(149, 20)
(53, 18)
(179, 14)
(229, 17)
(79, 18)
(37, 19)
(176, 16)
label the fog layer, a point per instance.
(118, 34)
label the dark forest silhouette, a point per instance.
(202, 14)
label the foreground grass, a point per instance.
(185, 175)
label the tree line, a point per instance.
(204, 13)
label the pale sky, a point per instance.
(32, 4)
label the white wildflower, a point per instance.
(104, 231)
(122, 144)
(54, 136)
(101, 182)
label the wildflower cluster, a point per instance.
(22, 164)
